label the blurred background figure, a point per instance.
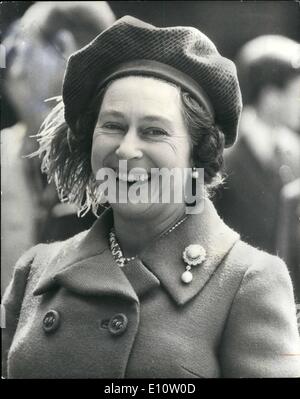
(267, 155)
(288, 239)
(37, 48)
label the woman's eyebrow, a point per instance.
(147, 118)
(110, 113)
(157, 118)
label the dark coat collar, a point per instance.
(89, 268)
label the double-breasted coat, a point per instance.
(72, 312)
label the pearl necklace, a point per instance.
(116, 250)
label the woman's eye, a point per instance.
(155, 132)
(113, 127)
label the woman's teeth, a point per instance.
(133, 178)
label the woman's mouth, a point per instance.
(133, 178)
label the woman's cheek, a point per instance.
(173, 154)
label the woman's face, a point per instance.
(141, 122)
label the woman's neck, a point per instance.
(135, 234)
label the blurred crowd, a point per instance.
(37, 48)
(261, 194)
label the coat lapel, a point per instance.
(87, 267)
(164, 257)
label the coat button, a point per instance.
(51, 321)
(117, 324)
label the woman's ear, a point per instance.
(65, 42)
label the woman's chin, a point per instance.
(133, 210)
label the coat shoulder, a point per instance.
(32, 263)
(250, 262)
(43, 254)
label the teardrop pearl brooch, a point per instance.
(193, 255)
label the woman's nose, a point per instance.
(129, 147)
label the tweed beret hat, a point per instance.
(182, 55)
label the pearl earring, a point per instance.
(195, 173)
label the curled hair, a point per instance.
(207, 139)
(66, 155)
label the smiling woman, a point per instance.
(149, 290)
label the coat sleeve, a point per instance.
(261, 337)
(12, 302)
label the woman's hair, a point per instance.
(207, 139)
(66, 155)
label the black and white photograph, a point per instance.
(150, 191)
